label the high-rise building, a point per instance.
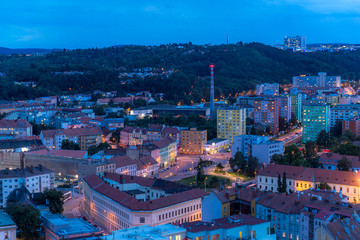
(285, 107)
(192, 141)
(343, 112)
(352, 124)
(231, 122)
(296, 43)
(266, 112)
(316, 117)
(267, 89)
(296, 105)
(320, 81)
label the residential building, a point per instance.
(234, 227)
(7, 227)
(167, 151)
(36, 179)
(229, 202)
(142, 112)
(353, 125)
(285, 107)
(216, 145)
(192, 141)
(20, 128)
(112, 123)
(316, 118)
(244, 144)
(132, 136)
(320, 81)
(57, 226)
(330, 160)
(343, 112)
(301, 178)
(85, 137)
(297, 215)
(116, 201)
(231, 122)
(296, 105)
(160, 232)
(296, 43)
(95, 167)
(264, 151)
(266, 112)
(340, 229)
(267, 89)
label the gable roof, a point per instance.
(60, 153)
(20, 123)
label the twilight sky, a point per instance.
(99, 23)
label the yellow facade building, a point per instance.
(231, 122)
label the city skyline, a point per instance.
(65, 24)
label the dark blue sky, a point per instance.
(99, 23)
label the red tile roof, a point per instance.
(72, 132)
(163, 143)
(97, 184)
(232, 222)
(333, 158)
(170, 130)
(4, 123)
(312, 174)
(123, 161)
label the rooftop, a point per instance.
(6, 220)
(60, 153)
(160, 232)
(216, 140)
(230, 222)
(179, 193)
(25, 172)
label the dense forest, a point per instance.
(237, 67)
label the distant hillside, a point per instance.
(35, 51)
(179, 71)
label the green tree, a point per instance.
(282, 124)
(69, 145)
(278, 159)
(99, 111)
(310, 155)
(219, 167)
(293, 155)
(200, 175)
(139, 103)
(347, 149)
(26, 218)
(95, 149)
(284, 183)
(237, 162)
(293, 120)
(323, 186)
(324, 139)
(344, 164)
(54, 199)
(279, 183)
(336, 131)
(350, 135)
(252, 166)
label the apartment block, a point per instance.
(231, 122)
(316, 118)
(35, 179)
(266, 112)
(192, 141)
(320, 81)
(116, 201)
(85, 137)
(19, 128)
(267, 89)
(353, 125)
(343, 112)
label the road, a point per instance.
(72, 206)
(291, 138)
(186, 164)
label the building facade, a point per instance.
(119, 201)
(19, 128)
(267, 89)
(192, 141)
(35, 179)
(320, 81)
(266, 112)
(296, 43)
(316, 118)
(231, 122)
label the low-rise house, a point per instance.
(116, 201)
(167, 151)
(234, 227)
(7, 227)
(85, 137)
(302, 178)
(330, 161)
(216, 145)
(35, 179)
(21, 128)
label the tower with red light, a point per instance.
(212, 107)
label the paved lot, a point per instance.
(72, 206)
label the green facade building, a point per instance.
(316, 117)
